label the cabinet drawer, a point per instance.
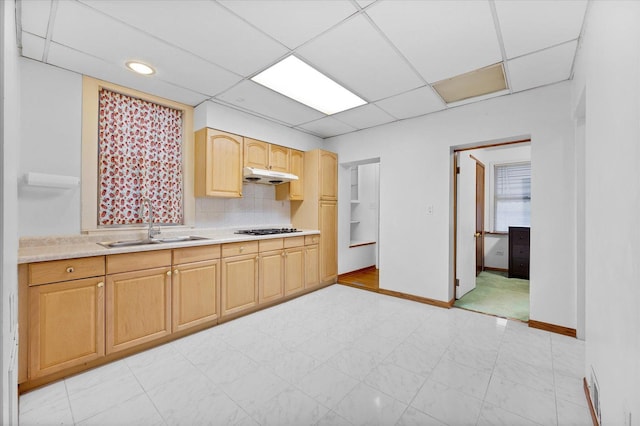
(127, 262)
(518, 251)
(236, 249)
(65, 270)
(293, 242)
(196, 254)
(311, 239)
(269, 245)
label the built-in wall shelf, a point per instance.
(355, 201)
(353, 222)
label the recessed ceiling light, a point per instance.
(140, 68)
(474, 83)
(303, 83)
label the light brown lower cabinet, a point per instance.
(311, 266)
(138, 307)
(239, 283)
(195, 299)
(271, 276)
(66, 325)
(293, 270)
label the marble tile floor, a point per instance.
(338, 356)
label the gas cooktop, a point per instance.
(267, 231)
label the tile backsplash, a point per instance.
(257, 207)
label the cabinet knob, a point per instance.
(241, 248)
(168, 273)
(175, 271)
(100, 284)
(284, 254)
(257, 258)
(70, 269)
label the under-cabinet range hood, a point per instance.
(268, 177)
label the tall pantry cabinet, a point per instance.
(319, 210)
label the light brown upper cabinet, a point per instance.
(294, 190)
(263, 155)
(218, 164)
(328, 175)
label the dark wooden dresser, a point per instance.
(519, 252)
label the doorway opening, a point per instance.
(491, 205)
(358, 247)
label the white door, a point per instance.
(466, 225)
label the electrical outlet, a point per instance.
(430, 209)
(499, 253)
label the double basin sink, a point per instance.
(147, 241)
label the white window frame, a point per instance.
(90, 105)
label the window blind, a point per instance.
(512, 195)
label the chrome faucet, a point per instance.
(151, 232)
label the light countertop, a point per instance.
(67, 247)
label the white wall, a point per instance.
(51, 108)
(609, 70)
(9, 143)
(220, 117)
(496, 247)
(415, 172)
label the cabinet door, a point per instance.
(311, 266)
(256, 154)
(328, 241)
(194, 291)
(138, 307)
(218, 171)
(66, 325)
(271, 276)
(328, 175)
(239, 283)
(296, 163)
(293, 270)
(279, 158)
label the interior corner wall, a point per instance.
(220, 117)
(611, 70)
(9, 153)
(415, 172)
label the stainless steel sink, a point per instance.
(144, 242)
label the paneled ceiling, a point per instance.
(389, 52)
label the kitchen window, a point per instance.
(512, 195)
(135, 146)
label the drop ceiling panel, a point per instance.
(35, 16)
(171, 64)
(202, 27)
(256, 98)
(412, 104)
(292, 23)
(440, 38)
(70, 59)
(545, 67)
(365, 116)
(358, 57)
(327, 127)
(32, 46)
(528, 26)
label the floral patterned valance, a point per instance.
(140, 156)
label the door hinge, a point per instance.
(458, 170)
(457, 282)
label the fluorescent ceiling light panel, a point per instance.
(303, 83)
(469, 85)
